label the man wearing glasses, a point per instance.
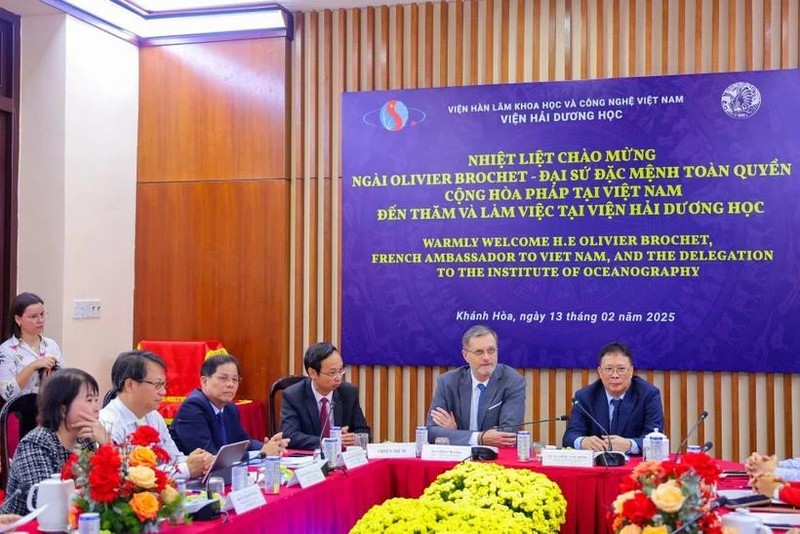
(482, 403)
(139, 380)
(627, 406)
(311, 407)
(208, 417)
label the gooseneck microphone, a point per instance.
(526, 423)
(687, 526)
(691, 432)
(707, 446)
(608, 458)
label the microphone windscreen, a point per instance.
(704, 414)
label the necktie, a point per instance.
(323, 418)
(615, 416)
(478, 405)
(223, 436)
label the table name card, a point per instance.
(567, 458)
(354, 457)
(446, 453)
(308, 476)
(392, 450)
(245, 499)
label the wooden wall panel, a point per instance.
(213, 111)
(463, 42)
(213, 201)
(211, 264)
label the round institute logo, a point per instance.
(394, 115)
(741, 100)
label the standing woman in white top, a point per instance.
(27, 357)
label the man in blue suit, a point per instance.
(482, 403)
(628, 406)
(311, 407)
(208, 417)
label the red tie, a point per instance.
(323, 418)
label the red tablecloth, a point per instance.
(336, 504)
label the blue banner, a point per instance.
(659, 211)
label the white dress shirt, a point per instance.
(318, 397)
(121, 422)
(473, 409)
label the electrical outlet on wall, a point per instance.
(86, 309)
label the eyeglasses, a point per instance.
(335, 373)
(491, 351)
(611, 371)
(226, 378)
(158, 385)
(36, 316)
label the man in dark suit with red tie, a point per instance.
(209, 419)
(629, 407)
(311, 407)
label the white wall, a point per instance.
(77, 183)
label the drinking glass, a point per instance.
(536, 450)
(362, 439)
(215, 485)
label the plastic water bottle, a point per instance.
(421, 439)
(336, 433)
(331, 451)
(524, 446)
(272, 474)
(238, 477)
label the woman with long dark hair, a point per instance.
(27, 356)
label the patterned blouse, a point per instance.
(38, 455)
(15, 354)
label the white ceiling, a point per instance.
(35, 7)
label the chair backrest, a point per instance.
(110, 395)
(24, 409)
(277, 386)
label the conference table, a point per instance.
(335, 505)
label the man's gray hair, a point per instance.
(475, 331)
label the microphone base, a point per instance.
(484, 453)
(610, 459)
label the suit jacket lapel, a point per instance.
(601, 410)
(216, 438)
(338, 410)
(465, 396)
(311, 406)
(626, 409)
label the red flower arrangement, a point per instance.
(127, 485)
(663, 496)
